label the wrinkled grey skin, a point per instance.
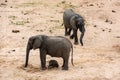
(55, 46)
(73, 21)
(53, 64)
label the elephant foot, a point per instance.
(64, 68)
(25, 66)
(49, 67)
(66, 34)
(71, 37)
(44, 68)
(76, 43)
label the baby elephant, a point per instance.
(53, 64)
(55, 46)
(73, 21)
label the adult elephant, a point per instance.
(55, 46)
(73, 21)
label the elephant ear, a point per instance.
(37, 43)
(73, 22)
(30, 42)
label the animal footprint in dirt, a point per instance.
(29, 69)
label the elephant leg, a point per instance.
(72, 36)
(66, 31)
(65, 64)
(69, 31)
(43, 59)
(76, 38)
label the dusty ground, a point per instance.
(98, 59)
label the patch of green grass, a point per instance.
(56, 27)
(65, 4)
(22, 22)
(28, 4)
(32, 4)
(12, 17)
(57, 21)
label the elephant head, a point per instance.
(34, 42)
(78, 23)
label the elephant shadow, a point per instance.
(30, 68)
(33, 69)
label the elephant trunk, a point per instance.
(81, 37)
(27, 55)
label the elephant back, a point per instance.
(67, 15)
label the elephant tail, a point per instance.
(72, 55)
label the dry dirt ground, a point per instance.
(98, 59)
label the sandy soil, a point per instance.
(98, 59)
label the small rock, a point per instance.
(109, 31)
(91, 5)
(3, 4)
(113, 11)
(41, 30)
(95, 26)
(99, 6)
(15, 31)
(11, 7)
(106, 20)
(110, 22)
(6, 1)
(117, 36)
(103, 30)
(37, 30)
(50, 31)
(13, 50)
(23, 38)
(81, 67)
